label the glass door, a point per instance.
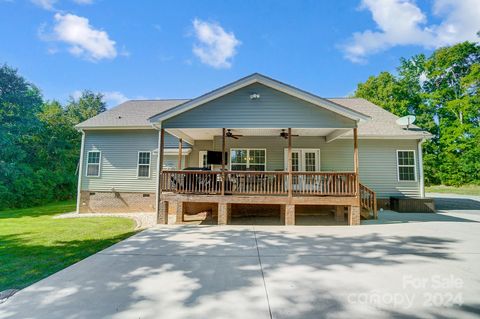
(303, 160)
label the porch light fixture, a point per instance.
(254, 96)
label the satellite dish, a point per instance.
(406, 120)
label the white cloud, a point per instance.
(114, 97)
(82, 38)
(214, 46)
(76, 94)
(49, 4)
(45, 4)
(402, 22)
(83, 1)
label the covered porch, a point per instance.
(243, 113)
(294, 186)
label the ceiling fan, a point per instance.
(285, 134)
(230, 134)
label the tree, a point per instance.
(39, 145)
(443, 92)
(20, 101)
(86, 106)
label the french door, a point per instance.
(304, 160)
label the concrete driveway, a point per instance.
(405, 265)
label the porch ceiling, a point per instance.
(209, 133)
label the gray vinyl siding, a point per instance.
(378, 162)
(377, 159)
(119, 155)
(274, 109)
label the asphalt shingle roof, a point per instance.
(382, 123)
(135, 113)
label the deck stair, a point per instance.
(368, 203)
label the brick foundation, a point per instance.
(114, 202)
(289, 215)
(353, 215)
(224, 213)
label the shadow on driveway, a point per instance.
(232, 272)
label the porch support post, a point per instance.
(355, 161)
(224, 213)
(162, 214)
(353, 215)
(179, 211)
(355, 150)
(223, 161)
(290, 179)
(180, 145)
(289, 215)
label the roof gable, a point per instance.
(269, 82)
(274, 109)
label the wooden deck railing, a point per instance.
(323, 183)
(260, 183)
(191, 182)
(256, 183)
(368, 200)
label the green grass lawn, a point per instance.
(462, 190)
(33, 245)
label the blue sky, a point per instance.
(181, 49)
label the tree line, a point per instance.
(39, 146)
(442, 91)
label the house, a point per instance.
(286, 150)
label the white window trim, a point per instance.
(248, 157)
(99, 164)
(200, 158)
(303, 150)
(149, 164)
(414, 166)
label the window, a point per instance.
(406, 165)
(247, 159)
(143, 169)
(93, 163)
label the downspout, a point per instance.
(157, 186)
(420, 167)
(80, 171)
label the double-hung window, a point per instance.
(143, 167)
(93, 163)
(247, 159)
(406, 166)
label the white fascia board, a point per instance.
(387, 137)
(99, 128)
